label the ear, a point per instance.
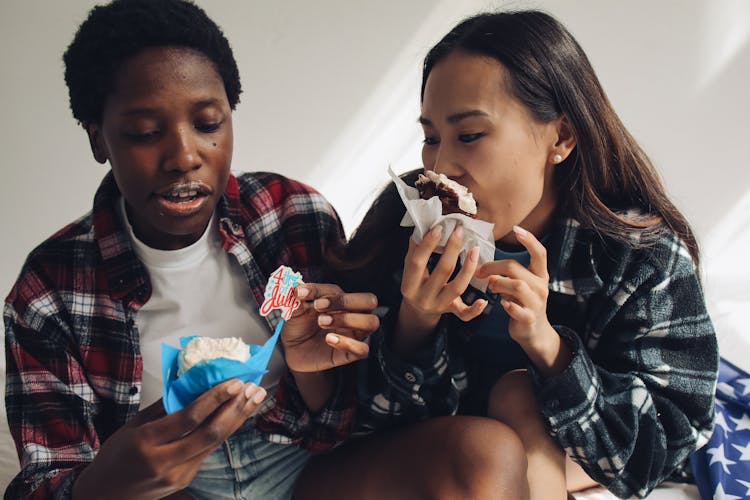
(96, 141)
(565, 140)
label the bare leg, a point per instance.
(576, 477)
(441, 458)
(512, 402)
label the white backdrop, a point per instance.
(331, 98)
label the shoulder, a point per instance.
(654, 256)
(267, 192)
(51, 268)
(66, 247)
(271, 184)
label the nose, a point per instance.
(182, 151)
(442, 161)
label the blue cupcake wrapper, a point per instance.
(179, 392)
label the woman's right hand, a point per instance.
(426, 296)
(154, 454)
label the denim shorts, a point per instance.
(246, 466)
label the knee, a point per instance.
(512, 399)
(489, 460)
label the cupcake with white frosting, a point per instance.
(201, 349)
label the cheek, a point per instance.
(503, 181)
(224, 146)
(217, 150)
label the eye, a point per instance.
(470, 137)
(207, 128)
(431, 141)
(142, 136)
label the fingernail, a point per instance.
(324, 320)
(520, 231)
(302, 292)
(234, 387)
(482, 303)
(474, 254)
(332, 338)
(459, 231)
(250, 388)
(260, 395)
(321, 304)
(436, 231)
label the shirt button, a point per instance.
(410, 377)
(134, 390)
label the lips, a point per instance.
(183, 198)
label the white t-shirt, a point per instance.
(196, 290)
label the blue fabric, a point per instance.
(491, 344)
(496, 322)
(722, 467)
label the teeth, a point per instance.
(183, 193)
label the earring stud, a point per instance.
(557, 159)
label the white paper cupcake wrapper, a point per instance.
(426, 214)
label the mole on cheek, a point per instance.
(214, 144)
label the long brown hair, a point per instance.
(607, 172)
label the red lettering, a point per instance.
(274, 300)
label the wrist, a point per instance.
(416, 319)
(315, 388)
(414, 329)
(81, 489)
(548, 352)
(299, 375)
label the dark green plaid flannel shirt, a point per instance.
(638, 397)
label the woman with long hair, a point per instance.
(591, 345)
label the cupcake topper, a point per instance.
(280, 292)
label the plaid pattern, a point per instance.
(72, 348)
(636, 399)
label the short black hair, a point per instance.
(121, 29)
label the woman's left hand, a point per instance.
(328, 328)
(523, 292)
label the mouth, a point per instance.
(184, 198)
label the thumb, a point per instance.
(465, 312)
(148, 414)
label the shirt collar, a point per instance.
(571, 259)
(126, 275)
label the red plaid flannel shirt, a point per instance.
(72, 348)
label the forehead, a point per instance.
(467, 80)
(160, 72)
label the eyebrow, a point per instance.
(151, 111)
(456, 117)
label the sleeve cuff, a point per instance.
(287, 416)
(564, 397)
(424, 368)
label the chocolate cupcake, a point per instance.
(455, 198)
